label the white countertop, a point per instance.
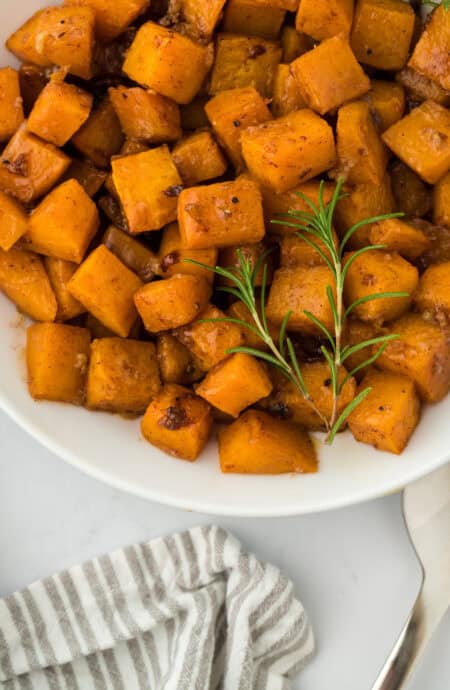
(353, 569)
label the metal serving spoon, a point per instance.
(426, 509)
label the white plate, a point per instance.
(112, 450)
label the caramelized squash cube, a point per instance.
(198, 158)
(388, 415)
(256, 443)
(419, 88)
(101, 136)
(171, 303)
(176, 363)
(123, 375)
(322, 19)
(221, 215)
(64, 223)
(283, 153)
(230, 113)
(441, 201)
(29, 167)
(375, 272)
(433, 293)
(173, 256)
(382, 32)
(421, 352)
(222, 387)
(362, 156)
(399, 236)
(431, 55)
(111, 19)
(286, 95)
(106, 287)
(13, 221)
(57, 361)
(287, 401)
(356, 332)
(23, 42)
(60, 110)
(24, 280)
(168, 62)
(422, 140)
(137, 257)
(243, 61)
(199, 17)
(278, 205)
(11, 109)
(146, 116)
(294, 44)
(298, 290)
(178, 422)
(253, 18)
(147, 184)
(387, 103)
(330, 75)
(59, 273)
(208, 341)
(363, 201)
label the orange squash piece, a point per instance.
(295, 251)
(387, 103)
(199, 17)
(286, 95)
(101, 136)
(173, 255)
(276, 206)
(146, 116)
(253, 18)
(420, 88)
(178, 422)
(89, 177)
(294, 44)
(411, 194)
(198, 158)
(324, 18)
(441, 201)
(11, 109)
(111, 19)
(257, 443)
(356, 332)
(176, 363)
(23, 44)
(283, 153)
(13, 221)
(229, 258)
(136, 256)
(387, 417)
(400, 236)
(24, 280)
(59, 273)
(57, 361)
(433, 293)
(431, 55)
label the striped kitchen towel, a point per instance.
(192, 611)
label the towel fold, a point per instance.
(192, 611)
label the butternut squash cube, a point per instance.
(422, 140)
(198, 158)
(173, 255)
(375, 272)
(400, 236)
(411, 195)
(111, 19)
(253, 18)
(387, 417)
(387, 103)
(422, 352)
(230, 113)
(106, 287)
(439, 247)
(431, 54)
(11, 109)
(23, 44)
(294, 251)
(330, 75)
(123, 375)
(89, 177)
(57, 361)
(382, 32)
(60, 110)
(221, 215)
(364, 201)
(168, 62)
(147, 185)
(209, 342)
(24, 281)
(298, 290)
(136, 256)
(222, 387)
(29, 167)
(433, 293)
(420, 88)
(256, 443)
(176, 363)
(441, 201)
(356, 332)
(64, 223)
(276, 206)
(362, 156)
(288, 403)
(294, 44)
(324, 18)
(199, 17)
(178, 422)
(146, 116)
(290, 150)
(286, 95)
(243, 61)
(13, 221)
(171, 303)
(59, 273)
(229, 258)
(101, 136)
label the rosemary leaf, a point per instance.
(345, 413)
(348, 351)
(371, 298)
(322, 327)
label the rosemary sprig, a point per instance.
(316, 228)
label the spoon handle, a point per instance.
(417, 632)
